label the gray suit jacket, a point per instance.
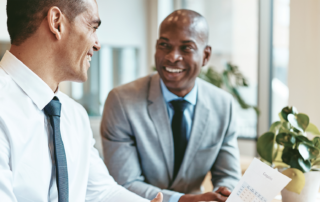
(138, 144)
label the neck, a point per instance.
(183, 92)
(38, 58)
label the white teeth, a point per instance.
(89, 58)
(172, 70)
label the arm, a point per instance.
(102, 187)
(226, 169)
(120, 152)
(6, 178)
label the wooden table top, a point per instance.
(318, 199)
(276, 200)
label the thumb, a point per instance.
(158, 198)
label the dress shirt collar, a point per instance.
(191, 97)
(36, 89)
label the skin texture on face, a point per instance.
(182, 50)
(59, 50)
(79, 43)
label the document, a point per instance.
(260, 183)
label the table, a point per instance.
(318, 199)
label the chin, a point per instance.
(80, 77)
(83, 78)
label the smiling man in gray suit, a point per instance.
(165, 131)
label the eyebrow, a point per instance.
(97, 21)
(164, 38)
(188, 41)
(185, 41)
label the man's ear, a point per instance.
(55, 18)
(207, 55)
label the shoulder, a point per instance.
(10, 93)
(71, 106)
(4, 82)
(210, 91)
(215, 99)
(135, 89)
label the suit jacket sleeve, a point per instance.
(120, 151)
(226, 170)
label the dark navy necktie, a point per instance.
(179, 131)
(53, 110)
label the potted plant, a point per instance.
(230, 79)
(286, 147)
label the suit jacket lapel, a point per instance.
(197, 131)
(159, 115)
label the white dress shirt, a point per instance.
(27, 172)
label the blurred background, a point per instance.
(275, 44)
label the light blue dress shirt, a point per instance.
(191, 97)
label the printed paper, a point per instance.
(260, 183)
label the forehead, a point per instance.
(92, 11)
(182, 28)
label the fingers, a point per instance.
(158, 198)
(224, 191)
(221, 198)
(212, 196)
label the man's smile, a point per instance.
(89, 58)
(89, 55)
(173, 69)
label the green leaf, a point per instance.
(299, 163)
(287, 153)
(265, 146)
(316, 142)
(285, 127)
(301, 138)
(305, 165)
(316, 162)
(299, 121)
(314, 152)
(275, 126)
(286, 139)
(313, 129)
(288, 110)
(281, 117)
(307, 151)
(293, 158)
(275, 151)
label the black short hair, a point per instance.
(25, 16)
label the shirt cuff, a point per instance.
(175, 197)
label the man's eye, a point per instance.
(95, 28)
(163, 44)
(186, 47)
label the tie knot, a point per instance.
(53, 108)
(179, 105)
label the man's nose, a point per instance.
(97, 45)
(174, 56)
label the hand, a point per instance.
(210, 196)
(224, 191)
(158, 198)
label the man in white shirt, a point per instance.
(46, 144)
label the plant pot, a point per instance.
(309, 191)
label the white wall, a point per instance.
(4, 36)
(304, 59)
(124, 24)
